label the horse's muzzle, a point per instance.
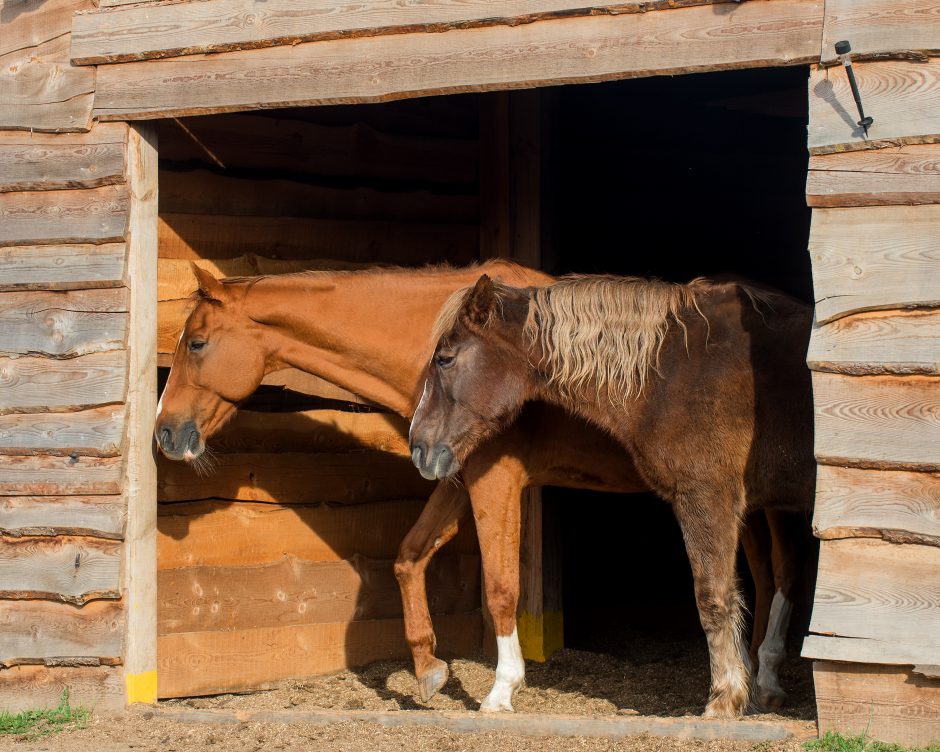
(434, 464)
(179, 443)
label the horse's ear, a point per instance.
(479, 305)
(209, 287)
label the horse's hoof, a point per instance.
(430, 683)
(771, 699)
(496, 707)
(499, 700)
(722, 710)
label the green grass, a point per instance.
(37, 723)
(833, 742)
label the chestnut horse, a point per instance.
(368, 331)
(704, 386)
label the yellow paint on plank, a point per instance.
(142, 687)
(540, 635)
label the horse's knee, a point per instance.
(406, 565)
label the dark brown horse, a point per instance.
(703, 385)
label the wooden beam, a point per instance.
(856, 650)
(91, 215)
(67, 569)
(874, 258)
(567, 50)
(881, 422)
(881, 28)
(45, 96)
(906, 174)
(98, 432)
(902, 96)
(94, 516)
(98, 688)
(31, 630)
(29, 24)
(62, 267)
(52, 476)
(900, 507)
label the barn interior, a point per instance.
(668, 177)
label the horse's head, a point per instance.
(477, 380)
(219, 361)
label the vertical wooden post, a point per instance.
(140, 547)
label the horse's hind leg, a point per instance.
(756, 542)
(437, 524)
(710, 532)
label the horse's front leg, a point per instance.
(438, 523)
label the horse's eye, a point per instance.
(196, 344)
(444, 361)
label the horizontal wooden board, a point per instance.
(903, 97)
(46, 475)
(28, 24)
(69, 569)
(225, 534)
(197, 663)
(879, 421)
(882, 702)
(31, 630)
(96, 516)
(208, 236)
(46, 96)
(62, 267)
(98, 432)
(98, 688)
(63, 323)
(39, 385)
(855, 650)
(872, 258)
(295, 478)
(879, 28)
(873, 590)
(906, 174)
(89, 215)
(79, 161)
(896, 505)
(876, 343)
(293, 592)
(590, 48)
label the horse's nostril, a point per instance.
(165, 438)
(417, 455)
(193, 441)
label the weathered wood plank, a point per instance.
(873, 258)
(855, 650)
(295, 478)
(870, 589)
(207, 236)
(63, 324)
(98, 688)
(72, 570)
(28, 24)
(881, 28)
(898, 506)
(902, 96)
(210, 662)
(98, 432)
(878, 421)
(224, 534)
(95, 516)
(46, 97)
(882, 702)
(91, 215)
(773, 32)
(80, 161)
(62, 267)
(907, 174)
(293, 592)
(31, 630)
(39, 385)
(875, 343)
(52, 476)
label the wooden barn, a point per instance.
(265, 136)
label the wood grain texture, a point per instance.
(906, 174)
(774, 32)
(879, 421)
(855, 650)
(293, 592)
(28, 24)
(898, 506)
(98, 688)
(873, 258)
(45, 96)
(95, 516)
(62, 267)
(39, 385)
(876, 343)
(69, 569)
(98, 432)
(870, 589)
(196, 663)
(225, 534)
(884, 702)
(31, 630)
(91, 215)
(296, 478)
(881, 28)
(46, 475)
(902, 96)
(63, 324)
